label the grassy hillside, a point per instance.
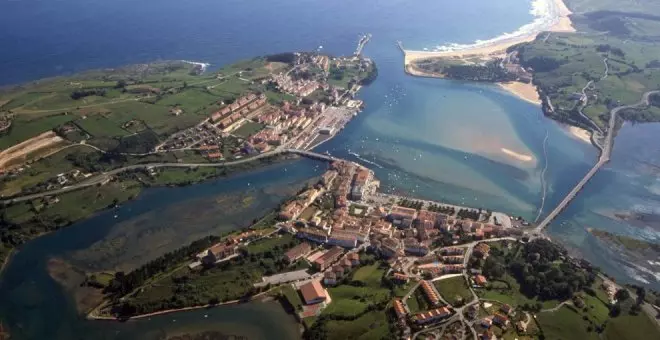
(616, 51)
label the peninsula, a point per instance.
(75, 145)
(347, 261)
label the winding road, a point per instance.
(106, 176)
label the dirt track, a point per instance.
(32, 147)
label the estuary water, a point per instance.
(34, 306)
(464, 143)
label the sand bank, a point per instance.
(525, 91)
(518, 156)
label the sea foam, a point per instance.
(546, 14)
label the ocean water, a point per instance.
(427, 137)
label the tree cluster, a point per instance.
(124, 283)
(543, 273)
(411, 204)
(491, 72)
(78, 94)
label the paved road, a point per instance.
(604, 158)
(106, 176)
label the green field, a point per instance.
(369, 275)
(230, 280)
(512, 295)
(292, 296)
(564, 324)
(629, 327)
(248, 129)
(111, 98)
(372, 325)
(564, 63)
(358, 310)
(42, 170)
(454, 290)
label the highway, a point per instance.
(106, 176)
(604, 158)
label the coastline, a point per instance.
(91, 315)
(525, 91)
(580, 134)
(6, 261)
(554, 17)
(551, 16)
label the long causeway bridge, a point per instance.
(604, 158)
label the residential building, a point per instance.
(487, 335)
(433, 315)
(218, 252)
(400, 278)
(430, 293)
(313, 293)
(401, 216)
(481, 250)
(399, 310)
(500, 320)
(452, 259)
(506, 309)
(354, 258)
(339, 238)
(329, 278)
(480, 280)
(330, 256)
(297, 252)
(412, 246)
(312, 234)
(391, 247)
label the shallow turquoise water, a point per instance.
(432, 138)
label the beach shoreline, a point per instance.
(525, 91)
(551, 16)
(580, 134)
(555, 18)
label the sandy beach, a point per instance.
(525, 91)
(580, 134)
(553, 17)
(556, 20)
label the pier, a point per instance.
(363, 42)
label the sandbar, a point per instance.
(518, 156)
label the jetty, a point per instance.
(361, 43)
